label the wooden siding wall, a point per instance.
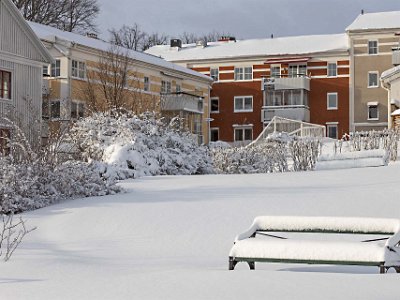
(26, 97)
(13, 39)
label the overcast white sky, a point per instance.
(241, 18)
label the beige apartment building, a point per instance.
(91, 75)
(372, 38)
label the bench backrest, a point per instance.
(325, 225)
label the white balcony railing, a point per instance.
(286, 83)
(293, 112)
(182, 102)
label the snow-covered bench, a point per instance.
(356, 159)
(260, 243)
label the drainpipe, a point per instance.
(386, 86)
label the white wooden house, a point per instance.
(22, 57)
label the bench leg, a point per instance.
(382, 270)
(252, 265)
(232, 263)
(397, 269)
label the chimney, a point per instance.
(92, 35)
(272, 35)
(227, 38)
(176, 43)
(362, 11)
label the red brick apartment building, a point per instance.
(304, 78)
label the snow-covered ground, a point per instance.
(169, 238)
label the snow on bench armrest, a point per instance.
(323, 224)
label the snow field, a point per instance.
(169, 238)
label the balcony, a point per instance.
(293, 112)
(297, 82)
(182, 101)
(396, 56)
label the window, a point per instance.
(214, 73)
(178, 88)
(214, 134)
(146, 86)
(78, 69)
(55, 109)
(332, 101)
(297, 70)
(243, 104)
(372, 47)
(200, 105)
(332, 131)
(165, 87)
(77, 110)
(302, 70)
(332, 70)
(244, 73)
(5, 85)
(243, 134)
(373, 112)
(276, 72)
(214, 105)
(373, 79)
(45, 70)
(5, 135)
(56, 68)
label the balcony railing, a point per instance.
(293, 112)
(182, 101)
(285, 82)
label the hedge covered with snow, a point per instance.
(264, 158)
(134, 146)
(275, 154)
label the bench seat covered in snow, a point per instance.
(383, 252)
(355, 159)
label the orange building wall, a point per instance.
(319, 114)
(227, 117)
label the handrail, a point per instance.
(303, 127)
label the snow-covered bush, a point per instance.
(263, 158)
(304, 153)
(133, 146)
(32, 178)
(279, 152)
(368, 140)
(34, 184)
(11, 234)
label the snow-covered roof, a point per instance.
(390, 72)
(255, 47)
(49, 33)
(380, 20)
(395, 113)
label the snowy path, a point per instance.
(169, 238)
